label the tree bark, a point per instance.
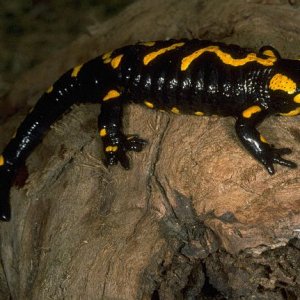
(195, 216)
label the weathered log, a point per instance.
(195, 216)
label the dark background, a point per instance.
(31, 30)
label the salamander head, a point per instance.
(284, 86)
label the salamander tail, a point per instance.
(5, 184)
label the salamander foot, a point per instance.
(274, 156)
(117, 152)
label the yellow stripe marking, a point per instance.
(103, 132)
(283, 83)
(198, 113)
(292, 113)
(226, 58)
(263, 139)
(269, 53)
(2, 160)
(111, 148)
(297, 98)
(149, 57)
(115, 62)
(148, 44)
(149, 104)
(111, 94)
(250, 111)
(175, 110)
(50, 89)
(76, 70)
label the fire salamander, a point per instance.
(195, 77)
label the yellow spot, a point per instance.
(149, 104)
(175, 110)
(226, 58)
(116, 61)
(263, 139)
(297, 98)
(106, 55)
(2, 160)
(108, 60)
(250, 111)
(111, 94)
(292, 113)
(149, 57)
(111, 148)
(283, 83)
(103, 132)
(148, 44)
(50, 89)
(269, 53)
(76, 71)
(198, 113)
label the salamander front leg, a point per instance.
(115, 143)
(256, 144)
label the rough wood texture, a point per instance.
(196, 215)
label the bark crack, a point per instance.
(152, 168)
(155, 160)
(105, 279)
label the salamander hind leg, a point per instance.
(256, 144)
(115, 142)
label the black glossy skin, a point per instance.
(209, 85)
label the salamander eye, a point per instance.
(269, 51)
